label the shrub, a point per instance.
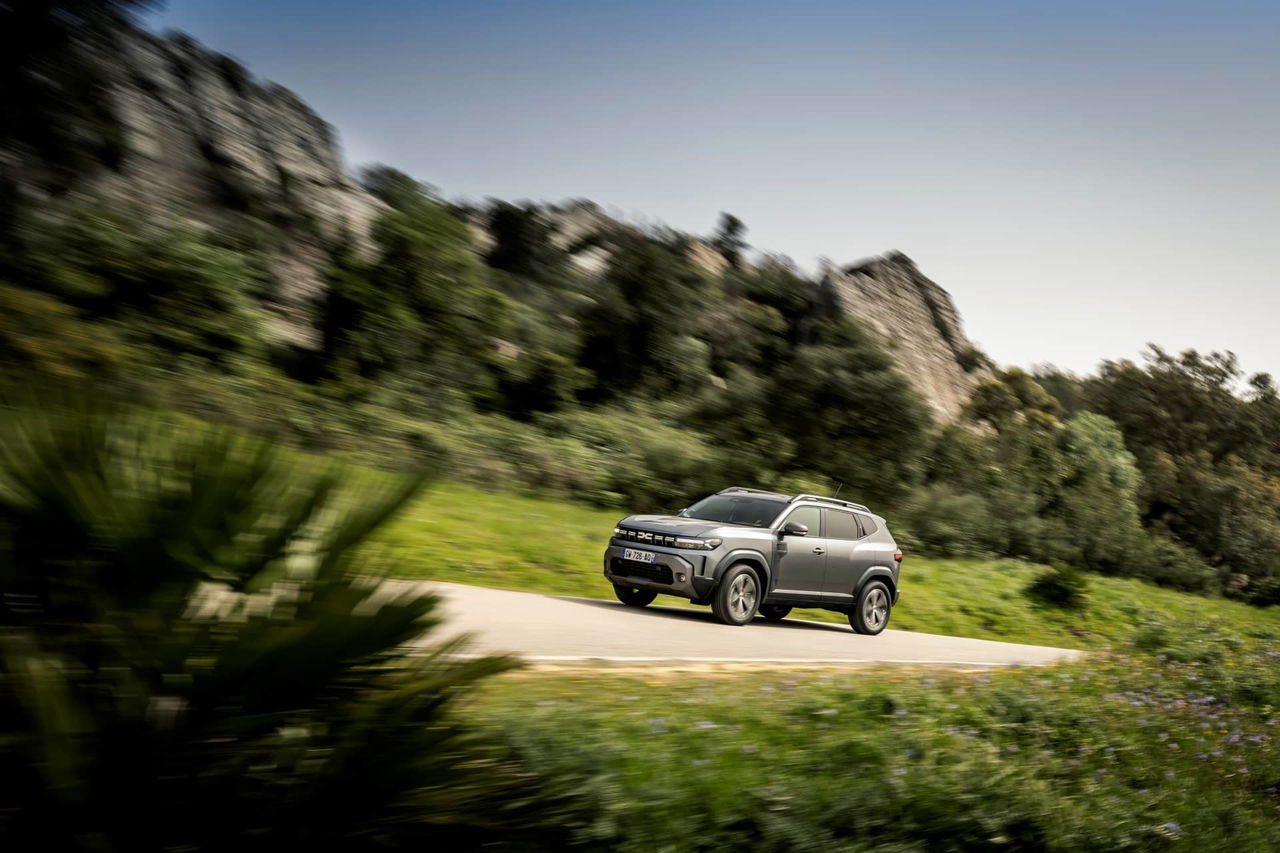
(942, 521)
(1264, 592)
(1060, 586)
(191, 659)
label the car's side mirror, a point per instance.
(682, 513)
(795, 528)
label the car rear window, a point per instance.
(737, 509)
(868, 524)
(842, 525)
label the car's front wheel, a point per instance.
(737, 597)
(634, 597)
(871, 613)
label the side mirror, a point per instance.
(682, 513)
(795, 528)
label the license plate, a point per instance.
(639, 556)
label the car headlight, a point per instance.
(697, 544)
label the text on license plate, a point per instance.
(639, 556)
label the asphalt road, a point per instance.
(546, 628)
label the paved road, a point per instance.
(545, 628)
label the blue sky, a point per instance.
(1083, 177)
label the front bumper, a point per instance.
(664, 575)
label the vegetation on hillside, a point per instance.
(658, 378)
(668, 366)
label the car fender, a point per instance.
(743, 555)
(883, 573)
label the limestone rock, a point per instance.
(918, 323)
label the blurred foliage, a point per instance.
(1162, 745)
(1060, 586)
(58, 118)
(189, 658)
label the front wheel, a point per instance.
(871, 613)
(633, 597)
(736, 598)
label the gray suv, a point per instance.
(742, 550)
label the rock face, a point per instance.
(204, 138)
(918, 323)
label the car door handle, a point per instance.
(819, 550)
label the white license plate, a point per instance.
(639, 556)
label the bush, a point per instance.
(191, 659)
(944, 522)
(1060, 586)
(1264, 592)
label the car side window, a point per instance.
(842, 525)
(809, 516)
(868, 524)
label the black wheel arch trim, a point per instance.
(878, 573)
(754, 559)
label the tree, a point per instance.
(636, 331)
(729, 239)
(524, 244)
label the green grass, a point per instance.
(1134, 751)
(507, 541)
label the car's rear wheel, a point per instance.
(871, 613)
(634, 597)
(738, 595)
(774, 612)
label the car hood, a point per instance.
(674, 525)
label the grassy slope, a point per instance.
(496, 539)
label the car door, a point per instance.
(850, 553)
(802, 560)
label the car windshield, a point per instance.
(737, 509)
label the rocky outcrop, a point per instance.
(918, 323)
(203, 138)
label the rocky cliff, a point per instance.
(919, 324)
(203, 138)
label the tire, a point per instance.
(871, 613)
(633, 597)
(737, 596)
(774, 612)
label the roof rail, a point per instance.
(745, 490)
(849, 504)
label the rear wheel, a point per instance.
(774, 612)
(634, 597)
(736, 598)
(871, 614)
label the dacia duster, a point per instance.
(742, 550)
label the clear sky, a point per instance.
(1083, 176)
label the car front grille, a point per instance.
(644, 537)
(632, 569)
